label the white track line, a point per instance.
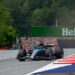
(50, 66)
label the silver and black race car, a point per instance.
(43, 51)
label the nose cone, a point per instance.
(34, 53)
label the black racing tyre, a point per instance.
(59, 53)
(21, 59)
(21, 55)
(49, 54)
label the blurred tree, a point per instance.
(7, 32)
(27, 13)
(65, 17)
(7, 35)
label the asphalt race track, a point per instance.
(14, 67)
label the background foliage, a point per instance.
(20, 15)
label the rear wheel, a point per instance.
(59, 52)
(58, 55)
(49, 54)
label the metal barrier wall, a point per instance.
(67, 43)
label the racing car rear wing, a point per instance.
(50, 45)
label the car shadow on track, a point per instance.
(31, 60)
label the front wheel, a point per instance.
(21, 56)
(21, 59)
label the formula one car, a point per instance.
(43, 51)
